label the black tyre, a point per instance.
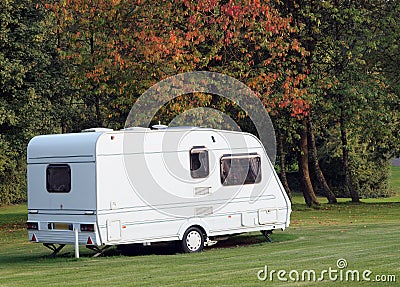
(193, 240)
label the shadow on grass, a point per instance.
(164, 248)
(172, 248)
(345, 204)
(253, 239)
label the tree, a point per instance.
(356, 88)
(282, 161)
(246, 40)
(319, 174)
(382, 59)
(96, 42)
(28, 81)
(104, 41)
(344, 82)
(303, 159)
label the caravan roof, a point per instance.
(87, 145)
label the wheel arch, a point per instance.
(193, 223)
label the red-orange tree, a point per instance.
(248, 40)
(110, 44)
(118, 48)
(244, 39)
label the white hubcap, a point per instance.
(193, 240)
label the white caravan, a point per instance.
(101, 188)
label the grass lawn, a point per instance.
(395, 179)
(366, 235)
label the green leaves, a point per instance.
(346, 78)
(29, 81)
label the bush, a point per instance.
(12, 174)
(370, 171)
(12, 182)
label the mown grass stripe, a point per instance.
(366, 235)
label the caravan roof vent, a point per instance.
(159, 127)
(182, 128)
(97, 130)
(134, 129)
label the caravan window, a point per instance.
(58, 178)
(240, 169)
(199, 166)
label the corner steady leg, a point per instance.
(54, 248)
(99, 251)
(266, 234)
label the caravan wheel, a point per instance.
(193, 240)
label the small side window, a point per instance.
(58, 178)
(240, 169)
(199, 166)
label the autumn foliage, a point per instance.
(248, 40)
(116, 45)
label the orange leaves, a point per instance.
(112, 41)
(300, 108)
(256, 4)
(228, 37)
(172, 37)
(295, 45)
(233, 10)
(192, 19)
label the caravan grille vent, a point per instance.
(203, 211)
(201, 190)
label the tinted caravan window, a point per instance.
(58, 178)
(199, 166)
(240, 169)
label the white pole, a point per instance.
(76, 243)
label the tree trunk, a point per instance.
(63, 121)
(307, 188)
(320, 176)
(345, 158)
(282, 157)
(63, 127)
(99, 120)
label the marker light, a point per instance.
(32, 225)
(87, 227)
